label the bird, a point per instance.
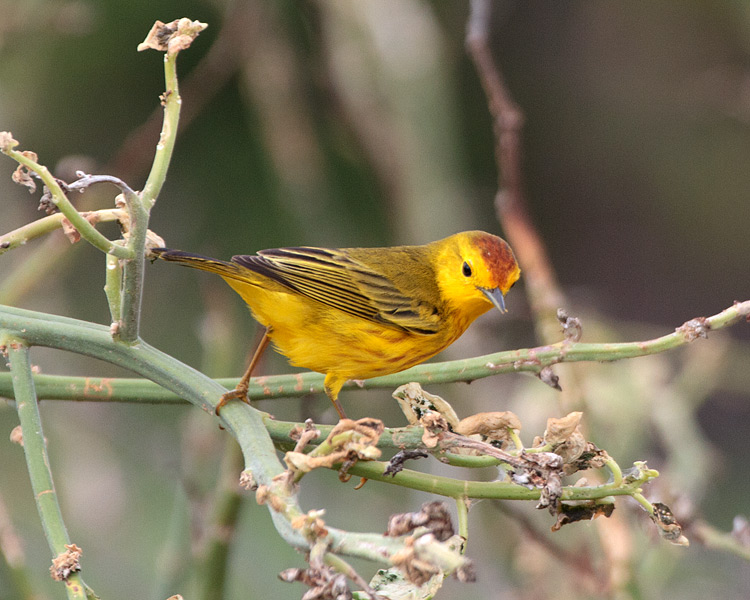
(357, 313)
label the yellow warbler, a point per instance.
(356, 313)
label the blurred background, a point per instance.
(343, 123)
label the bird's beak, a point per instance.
(496, 297)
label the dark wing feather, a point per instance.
(331, 277)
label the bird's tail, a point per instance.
(196, 261)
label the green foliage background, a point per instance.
(343, 123)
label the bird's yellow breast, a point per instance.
(315, 337)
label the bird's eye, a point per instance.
(466, 269)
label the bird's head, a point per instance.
(475, 270)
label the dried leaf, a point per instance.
(433, 515)
(416, 403)
(348, 442)
(559, 430)
(582, 512)
(154, 240)
(590, 458)
(172, 37)
(325, 583)
(22, 175)
(490, 426)
(312, 523)
(434, 424)
(668, 526)
(70, 232)
(541, 470)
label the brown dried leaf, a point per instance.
(559, 430)
(492, 426)
(571, 450)
(348, 442)
(415, 570)
(433, 515)
(668, 526)
(312, 523)
(324, 582)
(434, 424)
(22, 175)
(70, 232)
(172, 37)
(153, 240)
(416, 403)
(591, 458)
(582, 512)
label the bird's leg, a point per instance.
(332, 387)
(240, 392)
(339, 408)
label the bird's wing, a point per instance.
(341, 282)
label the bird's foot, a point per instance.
(238, 393)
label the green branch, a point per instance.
(37, 460)
(491, 490)
(22, 235)
(96, 389)
(245, 423)
(165, 147)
